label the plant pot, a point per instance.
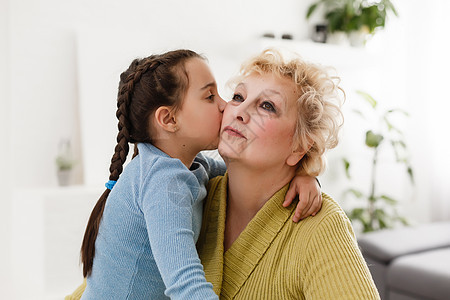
(359, 37)
(64, 177)
(338, 38)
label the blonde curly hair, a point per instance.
(319, 114)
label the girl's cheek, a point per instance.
(227, 118)
(219, 116)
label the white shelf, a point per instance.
(340, 57)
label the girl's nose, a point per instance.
(221, 103)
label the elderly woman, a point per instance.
(282, 118)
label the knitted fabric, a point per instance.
(275, 258)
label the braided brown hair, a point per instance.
(157, 80)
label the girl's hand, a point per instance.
(310, 198)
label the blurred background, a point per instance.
(59, 68)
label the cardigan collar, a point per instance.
(247, 250)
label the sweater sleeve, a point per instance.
(213, 166)
(167, 204)
(333, 265)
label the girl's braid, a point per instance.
(123, 101)
(126, 88)
(143, 87)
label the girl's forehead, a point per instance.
(200, 77)
(197, 66)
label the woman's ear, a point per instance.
(297, 155)
(294, 158)
(165, 119)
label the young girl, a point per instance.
(140, 239)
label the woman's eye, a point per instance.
(268, 106)
(238, 98)
(211, 97)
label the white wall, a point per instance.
(5, 203)
(428, 97)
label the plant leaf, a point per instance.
(411, 174)
(382, 222)
(394, 146)
(347, 167)
(398, 143)
(373, 140)
(379, 213)
(311, 9)
(356, 213)
(390, 126)
(358, 112)
(397, 110)
(367, 227)
(356, 193)
(388, 199)
(359, 214)
(368, 98)
(403, 220)
(388, 4)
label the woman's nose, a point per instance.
(242, 114)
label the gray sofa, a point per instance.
(410, 263)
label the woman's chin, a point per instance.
(227, 151)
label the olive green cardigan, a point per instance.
(275, 258)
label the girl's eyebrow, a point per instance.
(211, 84)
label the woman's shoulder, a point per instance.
(331, 212)
(330, 218)
(330, 207)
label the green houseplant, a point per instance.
(64, 163)
(356, 18)
(377, 210)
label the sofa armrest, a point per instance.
(386, 245)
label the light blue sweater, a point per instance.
(146, 242)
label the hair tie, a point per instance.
(110, 184)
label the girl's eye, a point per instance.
(237, 98)
(211, 97)
(268, 106)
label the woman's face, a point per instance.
(201, 112)
(259, 122)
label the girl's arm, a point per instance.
(310, 198)
(170, 212)
(213, 164)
